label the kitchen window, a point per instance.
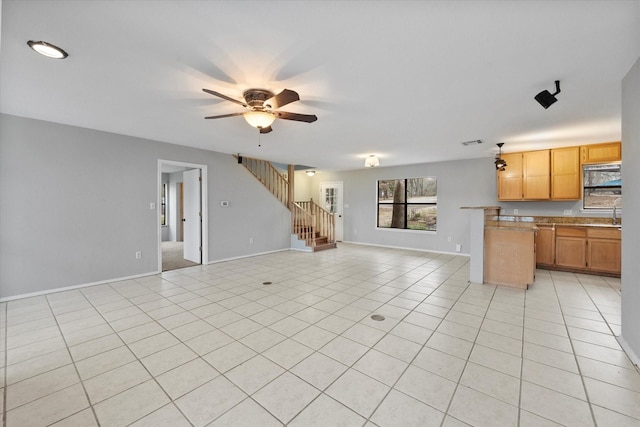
(602, 186)
(408, 204)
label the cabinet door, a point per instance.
(571, 252)
(604, 255)
(565, 174)
(510, 180)
(596, 153)
(545, 245)
(536, 175)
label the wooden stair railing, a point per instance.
(270, 177)
(309, 221)
(303, 225)
(323, 222)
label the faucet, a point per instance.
(614, 217)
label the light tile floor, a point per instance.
(214, 346)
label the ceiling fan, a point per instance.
(261, 105)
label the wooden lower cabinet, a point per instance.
(545, 246)
(571, 252)
(604, 255)
(584, 249)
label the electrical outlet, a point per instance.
(138, 255)
(515, 211)
(251, 240)
(568, 212)
(152, 206)
(449, 238)
(458, 247)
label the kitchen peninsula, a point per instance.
(506, 250)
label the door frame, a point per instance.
(204, 229)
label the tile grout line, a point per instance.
(466, 363)
(95, 417)
(573, 350)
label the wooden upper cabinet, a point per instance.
(598, 153)
(535, 175)
(565, 173)
(510, 180)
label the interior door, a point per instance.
(192, 219)
(331, 200)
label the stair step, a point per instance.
(321, 240)
(325, 246)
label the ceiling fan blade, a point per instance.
(283, 98)
(307, 118)
(219, 95)
(222, 116)
(266, 130)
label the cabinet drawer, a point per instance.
(604, 233)
(571, 231)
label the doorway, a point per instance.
(183, 221)
(331, 200)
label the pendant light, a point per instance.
(500, 163)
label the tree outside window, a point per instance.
(602, 186)
(409, 203)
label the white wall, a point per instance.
(460, 183)
(631, 202)
(74, 206)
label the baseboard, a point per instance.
(248, 256)
(70, 288)
(627, 349)
(407, 248)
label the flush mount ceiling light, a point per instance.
(259, 119)
(500, 163)
(47, 49)
(310, 173)
(545, 98)
(372, 161)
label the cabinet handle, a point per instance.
(587, 254)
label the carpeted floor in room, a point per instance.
(172, 256)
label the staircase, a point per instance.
(310, 223)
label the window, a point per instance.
(602, 185)
(163, 205)
(409, 203)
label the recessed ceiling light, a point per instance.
(47, 49)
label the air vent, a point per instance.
(474, 142)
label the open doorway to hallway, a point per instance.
(182, 217)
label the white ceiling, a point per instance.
(408, 81)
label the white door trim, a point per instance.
(205, 208)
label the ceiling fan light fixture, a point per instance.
(47, 49)
(259, 119)
(372, 161)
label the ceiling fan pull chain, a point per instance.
(259, 139)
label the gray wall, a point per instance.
(631, 202)
(74, 206)
(460, 183)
